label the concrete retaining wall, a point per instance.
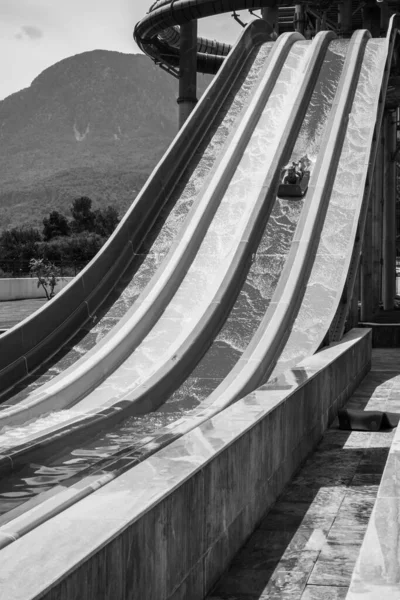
(376, 574)
(168, 528)
(24, 288)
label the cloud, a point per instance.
(30, 32)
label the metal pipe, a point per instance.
(389, 214)
(366, 267)
(270, 14)
(353, 317)
(187, 70)
(299, 18)
(345, 17)
(385, 16)
(376, 289)
(371, 16)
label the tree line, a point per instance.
(71, 243)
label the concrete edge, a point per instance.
(176, 499)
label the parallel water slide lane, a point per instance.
(261, 280)
(341, 236)
(25, 347)
(198, 306)
(84, 375)
(116, 348)
(269, 260)
(250, 306)
(363, 115)
(188, 188)
(312, 56)
(261, 355)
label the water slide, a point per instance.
(176, 183)
(161, 341)
(342, 139)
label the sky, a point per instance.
(34, 34)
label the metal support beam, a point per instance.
(385, 16)
(353, 316)
(389, 214)
(271, 15)
(377, 204)
(299, 18)
(345, 17)
(371, 16)
(187, 71)
(366, 268)
(372, 246)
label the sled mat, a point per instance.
(366, 420)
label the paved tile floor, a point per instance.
(14, 311)
(306, 546)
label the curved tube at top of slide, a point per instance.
(24, 347)
(158, 36)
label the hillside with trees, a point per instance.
(94, 124)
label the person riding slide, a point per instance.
(294, 173)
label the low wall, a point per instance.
(384, 335)
(376, 575)
(168, 528)
(20, 289)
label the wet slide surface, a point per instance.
(159, 240)
(156, 248)
(260, 284)
(248, 310)
(338, 234)
(56, 470)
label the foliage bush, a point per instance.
(70, 243)
(47, 275)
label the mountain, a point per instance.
(94, 124)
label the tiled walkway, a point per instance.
(14, 311)
(306, 546)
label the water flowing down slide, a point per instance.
(361, 66)
(100, 297)
(220, 265)
(302, 276)
(157, 359)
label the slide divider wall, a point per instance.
(156, 35)
(24, 347)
